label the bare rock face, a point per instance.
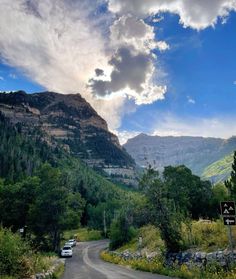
(70, 121)
(195, 152)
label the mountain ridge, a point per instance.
(72, 122)
(197, 153)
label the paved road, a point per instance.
(86, 264)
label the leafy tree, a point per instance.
(163, 210)
(121, 231)
(219, 193)
(53, 209)
(15, 202)
(189, 193)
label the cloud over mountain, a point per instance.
(105, 50)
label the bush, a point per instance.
(12, 253)
(206, 235)
(121, 232)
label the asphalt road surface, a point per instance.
(86, 264)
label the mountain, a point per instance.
(69, 122)
(219, 170)
(197, 153)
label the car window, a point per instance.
(66, 248)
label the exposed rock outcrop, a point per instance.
(70, 121)
(195, 152)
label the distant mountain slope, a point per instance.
(197, 153)
(71, 122)
(219, 170)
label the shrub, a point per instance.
(121, 232)
(206, 235)
(12, 251)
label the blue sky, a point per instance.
(201, 72)
(189, 88)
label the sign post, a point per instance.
(228, 213)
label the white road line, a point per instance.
(108, 273)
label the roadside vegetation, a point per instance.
(45, 192)
(184, 216)
(157, 265)
(18, 260)
(83, 234)
(52, 195)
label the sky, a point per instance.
(156, 66)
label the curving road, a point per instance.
(86, 264)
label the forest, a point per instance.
(46, 191)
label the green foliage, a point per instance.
(44, 204)
(12, 253)
(157, 266)
(83, 234)
(20, 154)
(163, 210)
(152, 240)
(231, 182)
(179, 195)
(15, 202)
(55, 208)
(205, 235)
(121, 231)
(219, 193)
(189, 193)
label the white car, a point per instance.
(68, 244)
(66, 251)
(72, 242)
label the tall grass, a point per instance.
(206, 235)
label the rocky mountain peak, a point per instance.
(71, 121)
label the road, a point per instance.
(86, 264)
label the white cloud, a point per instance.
(125, 135)
(234, 82)
(1, 78)
(129, 31)
(197, 14)
(191, 100)
(131, 75)
(51, 42)
(61, 45)
(132, 65)
(172, 125)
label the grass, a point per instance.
(151, 240)
(202, 235)
(42, 262)
(157, 266)
(58, 272)
(83, 234)
(206, 236)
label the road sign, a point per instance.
(227, 208)
(229, 221)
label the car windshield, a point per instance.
(66, 248)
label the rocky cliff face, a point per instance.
(70, 121)
(195, 152)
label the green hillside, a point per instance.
(219, 170)
(24, 151)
